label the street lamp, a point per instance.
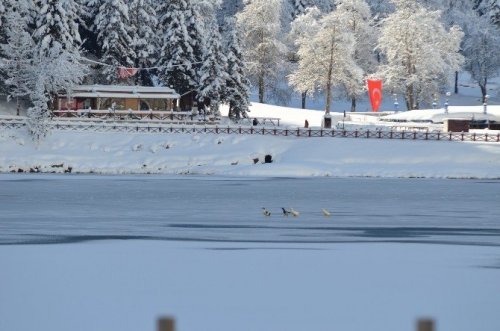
(446, 102)
(485, 104)
(396, 104)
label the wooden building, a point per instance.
(117, 98)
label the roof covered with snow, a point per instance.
(122, 91)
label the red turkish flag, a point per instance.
(126, 72)
(375, 93)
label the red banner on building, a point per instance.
(375, 93)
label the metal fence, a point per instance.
(260, 130)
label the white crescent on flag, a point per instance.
(377, 96)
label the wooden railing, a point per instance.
(261, 130)
(163, 115)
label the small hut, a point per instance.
(117, 98)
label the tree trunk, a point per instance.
(456, 82)
(304, 95)
(409, 98)
(482, 85)
(329, 80)
(353, 104)
(261, 88)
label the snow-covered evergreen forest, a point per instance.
(221, 49)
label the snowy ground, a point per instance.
(246, 287)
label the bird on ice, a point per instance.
(325, 212)
(286, 212)
(266, 212)
(294, 212)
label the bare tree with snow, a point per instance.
(355, 16)
(57, 70)
(482, 51)
(326, 57)
(265, 51)
(419, 51)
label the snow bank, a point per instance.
(243, 155)
(438, 115)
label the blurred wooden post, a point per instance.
(166, 324)
(425, 324)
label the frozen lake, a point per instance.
(97, 253)
(64, 209)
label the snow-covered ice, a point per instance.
(101, 253)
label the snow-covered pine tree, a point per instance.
(178, 58)
(482, 51)
(228, 9)
(326, 58)
(299, 7)
(265, 51)
(56, 22)
(490, 9)
(114, 37)
(237, 89)
(213, 72)
(355, 16)
(199, 28)
(87, 32)
(2, 12)
(18, 53)
(207, 9)
(144, 23)
(419, 51)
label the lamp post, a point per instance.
(396, 104)
(446, 102)
(485, 104)
(434, 103)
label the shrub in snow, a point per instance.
(137, 147)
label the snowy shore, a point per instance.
(236, 155)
